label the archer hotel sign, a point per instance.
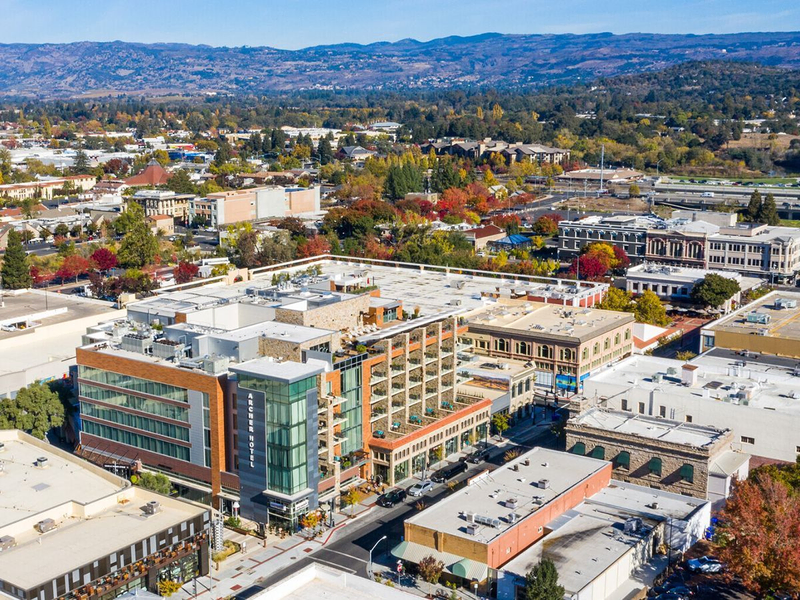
(251, 437)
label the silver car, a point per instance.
(418, 489)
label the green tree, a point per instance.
(715, 290)
(634, 191)
(500, 423)
(36, 410)
(753, 207)
(155, 482)
(649, 309)
(81, 164)
(139, 246)
(541, 583)
(324, 151)
(180, 183)
(16, 271)
(617, 299)
(768, 213)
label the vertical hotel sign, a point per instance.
(251, 443)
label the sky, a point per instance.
(292, 24)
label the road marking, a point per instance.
(343, 554)
(314, 558)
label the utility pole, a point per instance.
(602, 165)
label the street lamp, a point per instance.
(370, 574)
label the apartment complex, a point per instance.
(269, 202)
(72, 530)
(769, 326)
(749, 248)
(512, 152)
(565, 346)
(684, 458)
(45, 188)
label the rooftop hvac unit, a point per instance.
(672, 371)
(41, 462)
(657, 377)
(136, 342)
(455, 302)
(472, 529)
(512, 518)
(633, 525)
(543, 484)
(167, 349)
(760, 318)
(152, 507)
(470, 517)
(512, 503)
(45, 525)
(653, 505)
(496, 523)
(7, 542)
(785, 303)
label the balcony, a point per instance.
(397, 369)
(376, 415)
(377, 396)
(430, 358)
(377, 377)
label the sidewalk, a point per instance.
(265, 557)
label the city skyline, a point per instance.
(299, 25)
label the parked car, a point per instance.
(423, 487)
(704, 564)
(478, 456)
(448, 472)
(392, 497)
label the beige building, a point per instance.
(565, 345)
(164, 202)
(46, 189)
(162, 223)
(266, 202)
(679, 457)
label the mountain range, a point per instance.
(487, 60)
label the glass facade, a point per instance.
(286, 416)
(134, 384)
(148, 405)
(135, 421)
(351, 410)
(136, 440)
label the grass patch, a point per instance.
(229, 547)
(790, 223)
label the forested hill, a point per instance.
(496, 60)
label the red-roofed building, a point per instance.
(481, 236)
(154, 174)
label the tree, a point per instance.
(351, 498)
(139, 246)
(81, 165)
(324, 151)
(541, 582)
(547, 224)
(104, 259)
(715, 290)
(316, 246)
(62, 229)
(634, 191)
(185, 272)
(430, 569)
(36, 410)
(500, 423)
(758, 533)
(74, 265)
(589, 267)
(246, 250)
(16, 270)
(649, 309)
(617, 299)
(753, 207)
(155, 482)
(180, 183)
(768, 212)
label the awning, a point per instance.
(454, 564)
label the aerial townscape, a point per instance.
(290, 312)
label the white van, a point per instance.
(708, 194)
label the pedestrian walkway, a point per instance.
(264, 557)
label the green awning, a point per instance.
(599, 452)
(457, 565)
(687, 473)
(579, 448)
(655, 465)
(623, 460)
(469, 570)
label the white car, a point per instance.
(704, 564)
(418, 489)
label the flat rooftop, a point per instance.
(670, 273)
(288, 371)
(783, 321)
(558, 322)
(318, 582)
(488, 493)
(86, 502)
(664, 430)
(771, 383)
(47, 308)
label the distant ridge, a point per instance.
(489, 59)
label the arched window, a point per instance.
(617, 339)
(545, 352)
(501, 345)
(596, 349)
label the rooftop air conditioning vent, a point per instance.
(496, 523)
(45, 525)
(512, 518)
(512, 503)
(633, 525)
(543, 484)
(7, 542)
(41, 462)
(472, 529)
(527, 462)
(152, 507)
(653, 505)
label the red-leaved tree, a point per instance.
(185, 272)
(591, 267)
(104, 258)
(74, 265)
(758, 535)
(314, 247)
